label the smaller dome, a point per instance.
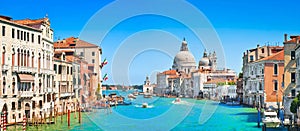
(204, 62)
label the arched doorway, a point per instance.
(27, 110)
(4, 109)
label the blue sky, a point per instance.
(240, 24)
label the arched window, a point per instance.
(32, 60)
(39, 61)
(27, 59)
(3, 56)
(19, 56)
(13, 85)
(4, 83)
(13, 57)
(40, 86)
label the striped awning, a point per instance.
(26, 77)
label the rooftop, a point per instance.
(294, 39)
(169, 72)
(73, 42)
(278, 56)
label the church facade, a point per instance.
(186, 78)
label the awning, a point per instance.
(26, 78)
(86, 76)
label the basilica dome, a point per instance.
(184, 59)
(204, 62)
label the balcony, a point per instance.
(5, 67)
(66, 94)
(15, 68)
(34, 69)
(24, 69)
(46, 71)
(77, 87)
(51, 90)
(26, 94)
(260, 91)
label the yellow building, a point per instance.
(290, 90)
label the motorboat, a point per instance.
(145, 105)
(131, 96)
(135, 93)
(287, 122)
(177, 100)
(233, 103)
(147, 95)
(270, 119)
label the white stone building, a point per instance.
(27, 71)
(148, 87)
(185, 78)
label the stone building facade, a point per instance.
(26, 71)
(253, 73)
(186, 78)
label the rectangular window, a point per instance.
(293, 92)
(27, 36)
(275, 85)
(251, 58)
(19, 105)
(275, 69)
(21, 35)
(81, 53)
(71, 70)
(12, 33)
(18, 34)
(93, 53)
(292, 55)
(13, 106)
(39, 39)
(67, 69)
(32, 38)
(293, 77)
(262, 50)
(93, 60)
(3, 30)
(59, 69)
(55, 68)
(24, 35)
(33, 105)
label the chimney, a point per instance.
(285, 37)
(297, 40)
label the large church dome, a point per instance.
(184, 58)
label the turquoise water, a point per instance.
(163, 115)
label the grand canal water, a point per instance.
(163, 114)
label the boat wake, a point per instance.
(141, 106)
(181, 102)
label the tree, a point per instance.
(240, 75)
(295, 104)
